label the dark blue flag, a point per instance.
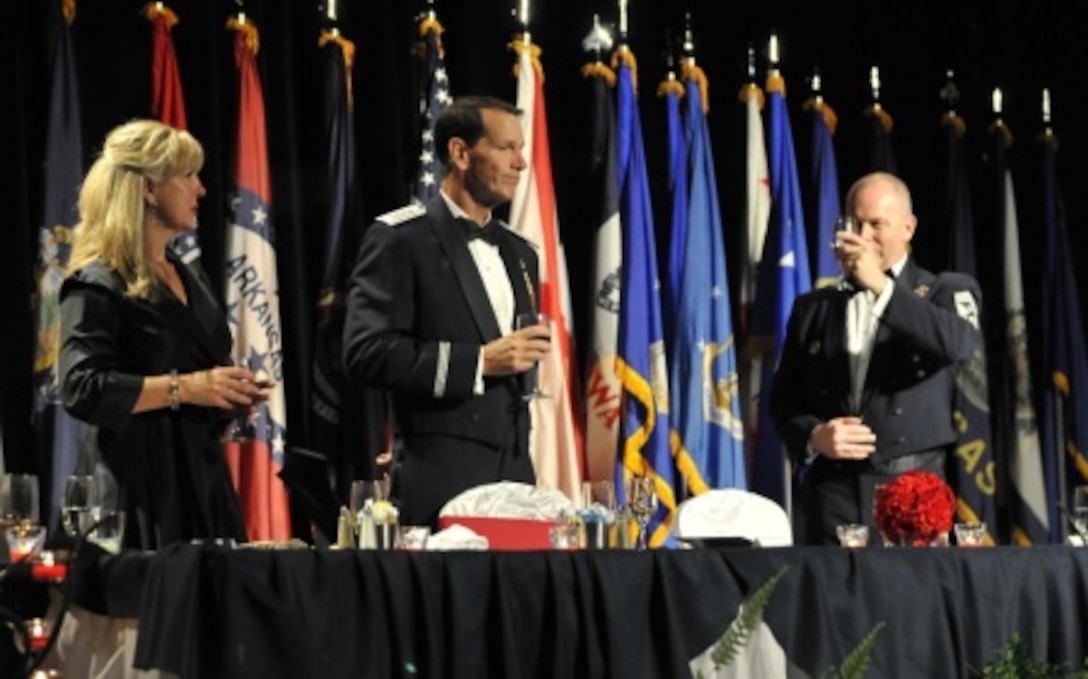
(825, 180)
(58, 435)
(1064, 420)
(673, 91)
(972, 471)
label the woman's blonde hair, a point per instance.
(111, 200)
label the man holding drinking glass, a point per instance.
(865, 386)
(430, 317)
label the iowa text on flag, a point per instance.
(602, 383)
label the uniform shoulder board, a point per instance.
(515, 233)
(402, 214)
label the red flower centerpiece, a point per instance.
(916, 508)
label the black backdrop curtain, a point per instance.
(1020, 46)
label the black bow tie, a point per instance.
(490, 232)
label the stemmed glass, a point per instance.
(19, 504)
(528, 320)
(642, 503)
(20, 515)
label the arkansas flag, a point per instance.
(556, 442)
(253, 305)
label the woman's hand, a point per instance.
(225, 387)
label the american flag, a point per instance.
(434, 97)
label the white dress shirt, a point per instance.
(863, 313)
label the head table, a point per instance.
(204, 611)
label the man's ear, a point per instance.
(458, 152)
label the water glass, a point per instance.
(109, 529)
(414, 538)
(564, 535)
(79, 500)
(852, 534)
(971, 534)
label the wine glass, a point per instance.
(528, 320)
(79, 502)
(19, 505)
(642, 503)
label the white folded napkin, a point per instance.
(457, 537)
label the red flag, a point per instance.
(557, 435)
(167, 102)
(253, 306)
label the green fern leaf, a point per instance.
(747, 620)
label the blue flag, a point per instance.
(972, 472)
(1064, 422)
(783, 275)
(58, 435)
(825, 180)
(704, 384)
(678, 195)
(434, 97)
(641, 362)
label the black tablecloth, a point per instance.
(211, 612)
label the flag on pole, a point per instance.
(881, 154)
(641, 363)
(1030, 523)
(434, 96)
(673, 91)
(1064, 421)
(972, 472)
(603, 387)
(253, 303)
(167, 101)
(757, 214)
(348, 427)
(58, 435)
(783, 275)
(825, 180)
(757, 196)
(557, 437)
(704, 385)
